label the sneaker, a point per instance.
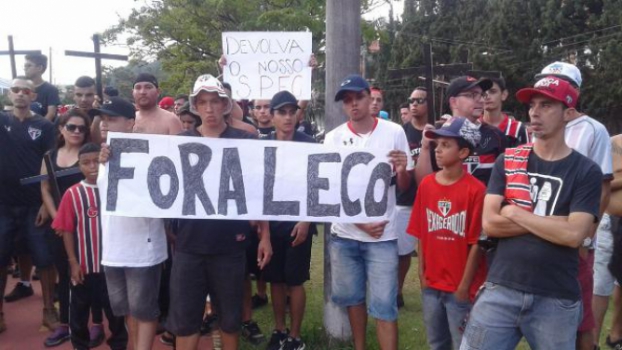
(96, 335)
(19, 292)
(50, 319)
(277, 339)
(617, 345)
(251, 333)
(400, 301)
(59, 336)
(293, 344)
(2, 324)
(167, 339)
(209, 324)
(258, 301)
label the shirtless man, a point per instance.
(234, 118)
(150, 119)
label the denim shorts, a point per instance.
(20, 220)
(501, 316)
(603, 279)
(365, 271)
(134, 291)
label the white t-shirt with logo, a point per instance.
(590, 138)
(385, 135)
(132, 242)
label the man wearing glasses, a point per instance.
(24, 139)
(466, 99)
(418, 105)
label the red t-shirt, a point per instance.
(78, 213)
(448, 220)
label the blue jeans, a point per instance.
(443, 316)
(357, 266)
(16, 220)
(501, 316)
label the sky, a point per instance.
(60, 25)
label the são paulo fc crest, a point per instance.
(444, 206)
(34, 133)
(92, 212)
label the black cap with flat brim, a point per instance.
(115, 107)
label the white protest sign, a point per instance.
(260, 64)
(197, 177)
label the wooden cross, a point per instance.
(98, 56)
(12, 53)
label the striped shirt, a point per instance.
(78, 213)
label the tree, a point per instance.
(122, 78)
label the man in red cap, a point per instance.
(542, 202)
(167, 103)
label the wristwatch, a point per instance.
(587, 242)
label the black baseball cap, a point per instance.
(352, 82)
(116, 107)
(465, 83)
(283, 98)
(146, 78)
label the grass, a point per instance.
(411, 327)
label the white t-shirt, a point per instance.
(132, 242)
(590, 138)
(385, 135)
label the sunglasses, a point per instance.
(418, 101)
(73, 128)
(17, 89)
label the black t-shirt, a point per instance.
(284, 228)
(47, 95)
(414, 137)
(491, 145)
(305, 127)
(22, 146)
(529, 263)
(265, 132)
(66, 181)
(213, 236)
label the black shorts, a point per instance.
(193, 277)
(289, 265)
(251, 255)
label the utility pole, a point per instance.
(343, 57)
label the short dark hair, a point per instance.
(462, 143)
(89, 147)
(180, 96)
(38, 59)
(84, 82)
(226, 85)
(111, 91)
(405, 105)
(500, 82)
(420, 88)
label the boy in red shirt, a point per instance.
(447, 220)
(79, 222)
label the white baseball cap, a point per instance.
(209, 83)
(562, 70)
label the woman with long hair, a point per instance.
(73, 133)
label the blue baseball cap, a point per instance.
(352, 82)
(456, 128)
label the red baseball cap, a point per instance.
(552, 87)
(166, 102)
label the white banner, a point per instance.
(197, 177)
(260, 64)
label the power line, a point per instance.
(572, 36)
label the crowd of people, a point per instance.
(516, 225)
